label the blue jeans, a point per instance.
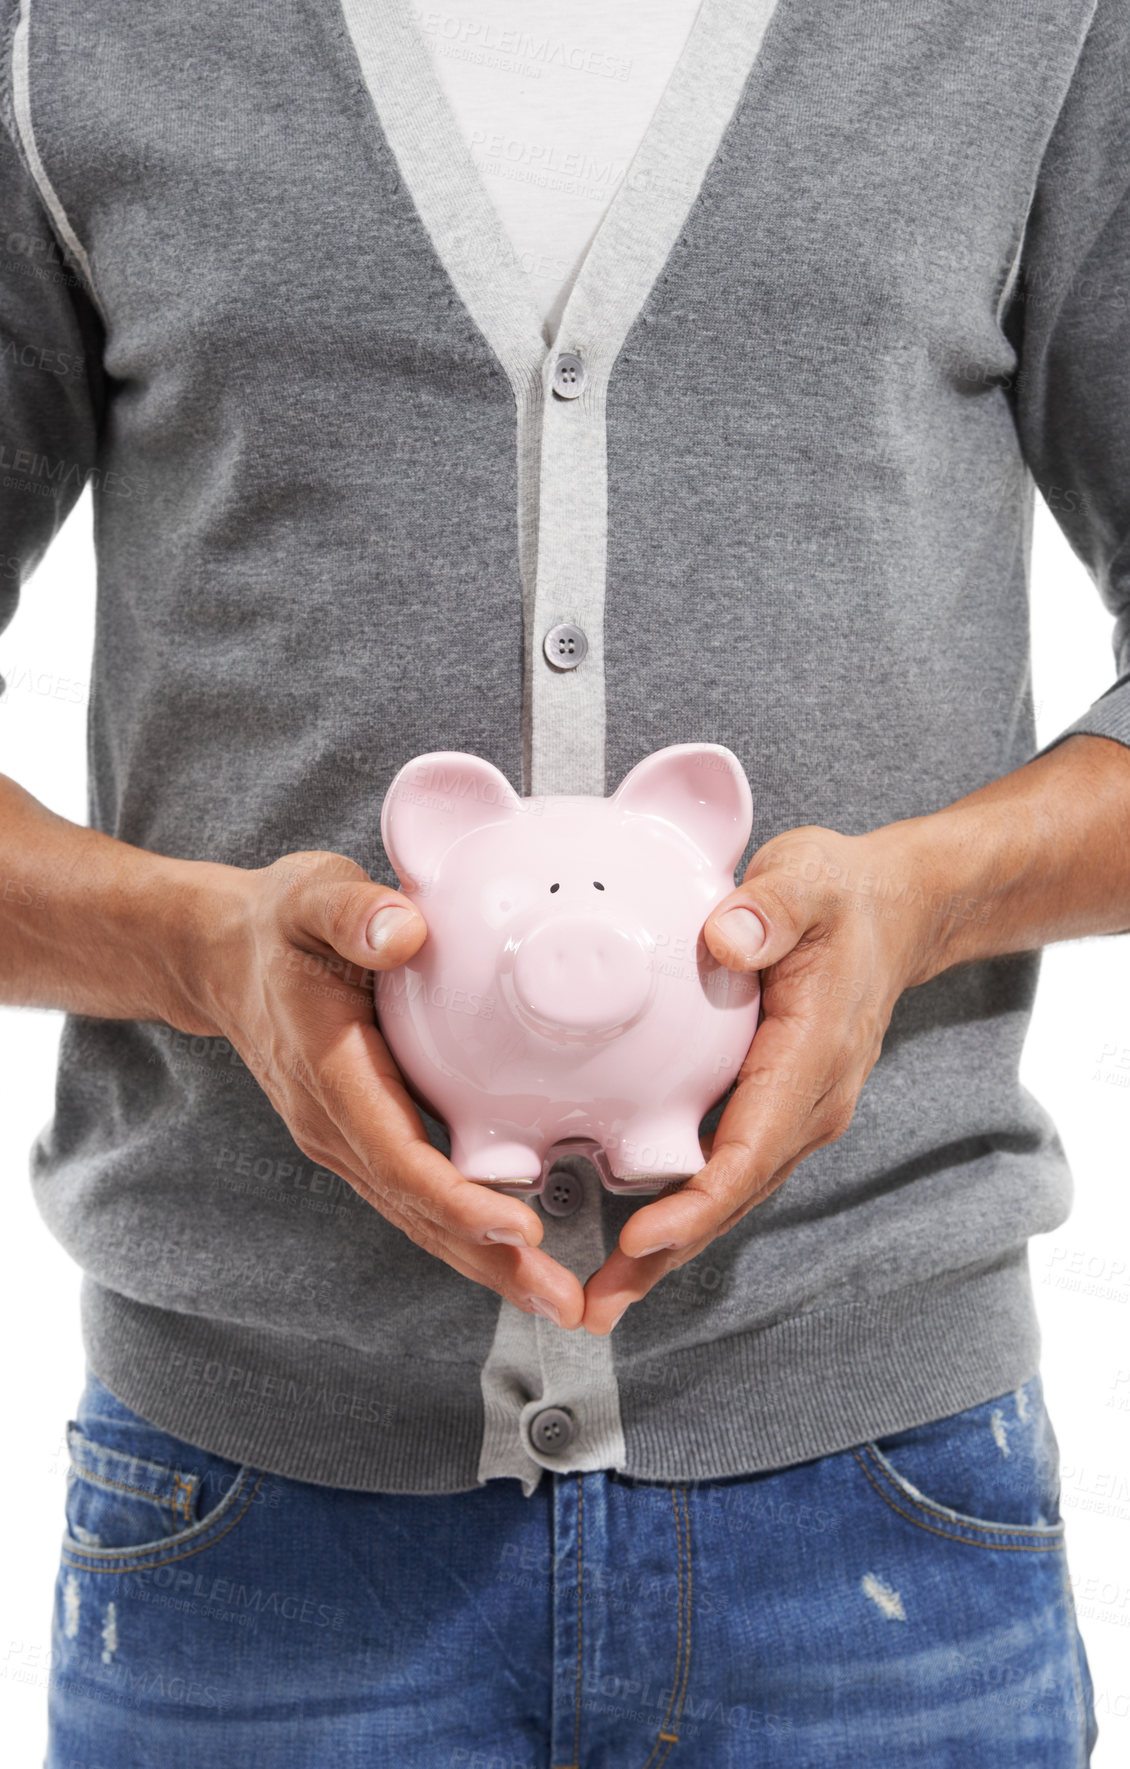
(904, 1602)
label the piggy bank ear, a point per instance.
(433, 800)
(699, 787)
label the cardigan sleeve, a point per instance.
(1069, 321)
(51, 378)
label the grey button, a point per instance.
(551, 1430)
(569, 375)
(565, 645)
(564, 1192)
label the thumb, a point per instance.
(393, 930)
(367, 924)
(751, 929)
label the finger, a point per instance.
(794, 1062)
(765, 1189)
(757, 924)
(622, 1280)
(375, 1139)
(528, 1278)
(410, 1179)
(363, 1093)
(352, 1082)
(463, 1223)
(327, 901)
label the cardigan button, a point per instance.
(551, 1430)
(569, 375)
(564, 1192)
(565, 645)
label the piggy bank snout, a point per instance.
(580, 974)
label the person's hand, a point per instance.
(279, 961)
(823, 918)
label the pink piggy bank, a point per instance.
(564, 998)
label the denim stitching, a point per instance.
(972, 1522)
(663, 1733)
(121, 1486)
(580, 1616)
(952, 1534)
(182, 1494)
(86, 1457)
(118, 1558)
(687, 1644)
(182, 1489)
(667, 1733)
(1069, 1605)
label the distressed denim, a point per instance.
(904, 1602)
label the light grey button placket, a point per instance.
(559, 392)
(567, 703)
(536, 1368)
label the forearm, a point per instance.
(90, 924)
(1042, 854)
(95, 926)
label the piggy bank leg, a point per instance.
(663, 1148)
(478, 1154)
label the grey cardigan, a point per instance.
(863, 287)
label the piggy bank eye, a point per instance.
(596, 885)
(555, 887)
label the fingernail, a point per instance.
(510, 1235)
(743, 930)
(660, 1247)
(541, 1306)
(384, 924)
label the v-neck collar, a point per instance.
(640, 225)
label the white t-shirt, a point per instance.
(553, 98)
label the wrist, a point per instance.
(960, 873)
(94, 926)
(194, 914)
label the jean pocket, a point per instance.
(988, 1475)
(125, 1510)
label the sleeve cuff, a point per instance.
(1108, 716)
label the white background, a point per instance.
(1077, 1060)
